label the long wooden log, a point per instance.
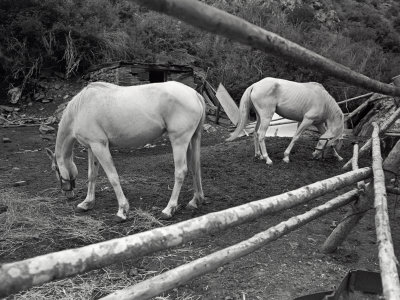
(387, 258)
(385, 126)
(38, 270)
(178, 276)
(218, 21)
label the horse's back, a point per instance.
(292, 100)
(134, 115)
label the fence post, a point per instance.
(387, 258)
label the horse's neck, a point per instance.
(64, 144)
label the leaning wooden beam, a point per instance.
(353, 216)
(385, 126)
(218, 21)
(38, 270)
(387, 258)
(178, 276)
(363, 105)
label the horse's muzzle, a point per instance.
(317, 154)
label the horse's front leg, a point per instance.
(303, 126)
(180, 161)
(102, 152)
(93, 169)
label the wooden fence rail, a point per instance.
(178, 276)
(23, 274)
(218, 21)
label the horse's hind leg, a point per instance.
(102, 152)
(179, 149)
(261, 132)
(257, 150)
(303, 125)
(93, 169)
(193, 157)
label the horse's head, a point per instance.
(65, 177)
(325, 143)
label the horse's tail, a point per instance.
(244, 110)
(193, 152)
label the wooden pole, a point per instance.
(38, 270)
(385, 126)
(387, 258)
(218, 21)
(178, 276)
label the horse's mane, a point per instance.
(76, 102)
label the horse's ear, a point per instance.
(50, 154)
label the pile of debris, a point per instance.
(10, 117)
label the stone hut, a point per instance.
(135, 73)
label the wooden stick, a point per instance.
(217, 21)
(385, 126)
(178, 276)
(387, 258)
(393, 190)
(38, 270)
(355, 98)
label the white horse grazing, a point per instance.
(104, 115)
(308, 103)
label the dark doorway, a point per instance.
(157, 76)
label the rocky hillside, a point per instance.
(43, 38)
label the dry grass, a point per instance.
(38, 220)
(47, 224)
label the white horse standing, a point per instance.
(308, 103)
(104, 114)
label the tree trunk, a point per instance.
(217, 21)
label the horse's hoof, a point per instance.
(286, 160)
(164, 216)
(78, 209)
(191, 207)
(117, 219)
(269, 162)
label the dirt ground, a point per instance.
(39, 220)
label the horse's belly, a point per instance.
(134, 138)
